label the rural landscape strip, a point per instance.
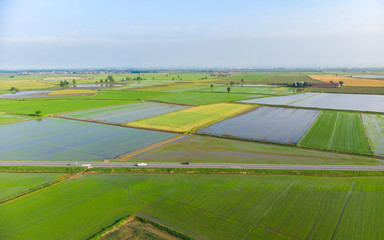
(198, 165)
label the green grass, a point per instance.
(201, 98)
(338, 131)
(191, 118)
(127, 95)
(49, 106)
(201, 149)
(251, 90)
(206, 206)
(12, 184)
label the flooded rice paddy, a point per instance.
(57, 139)
(126, 113)
(25, 94)
(355, 102)
(280, 125)
(284, 100)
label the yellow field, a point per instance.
(26, 84)
(72, 92)
(191, 118)
(348, 81)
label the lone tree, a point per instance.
(341, 83)
(242, 80)
(37, 112)
(228, 89)
(13, 89)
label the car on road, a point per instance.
(141, 164)
(185, 163)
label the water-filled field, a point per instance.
(281, 100)
(126, 113)
(67, 140)
(192, 118)
(206, 206)
(281, 125)
(356, 102)
(25, 94)
(205, 149)
(374, 127)
(338, 131)
(8, 118)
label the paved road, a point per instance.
(197, 165)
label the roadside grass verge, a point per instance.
(329, 173)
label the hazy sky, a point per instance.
(191, 33)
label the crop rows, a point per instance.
(205, 206)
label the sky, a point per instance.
(191, 33)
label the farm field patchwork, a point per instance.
(192, 118)
(349, 81)
(374, 127)
(209, 206)
(281, 100)
(270, 124)
(338, 131)
(201, 98)
(58, 139)
(125, 113)
(52, 106)
(12, 184)
(354, 102)
(204, 149)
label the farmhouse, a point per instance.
(324, 84)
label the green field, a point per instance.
(338, 131)
(201, 98)
(206, 206)
(12, 184)
(251, 90)
(49, 106)
(127, 95)
(202, 149)
(191, 118)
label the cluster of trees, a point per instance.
(64, 83)
(300, 84)
(108, 79)
(14, 90)
(138, 78)
(340, 82)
